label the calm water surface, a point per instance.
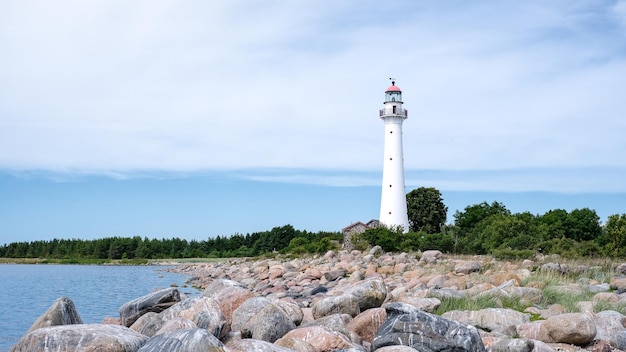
(27, 291)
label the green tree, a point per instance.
(583, 225)
(615, 230)
(469, 218)
(426, 210)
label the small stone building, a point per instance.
(356, 228)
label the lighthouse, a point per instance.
(393, 213)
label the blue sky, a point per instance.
(195, 118)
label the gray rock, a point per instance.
(81, 337)
(293, 311)
(271, 324)
(376, 251)
(188, 340)
(245, 315)
(365, 295)
(335, 274)
(408, 326)
(154, 302)
(396, 349)
(203, 311)
(620, 340)
(513, 345)
(559, 268)
(176, 324)
(61, 312)
(467, 267)
(609, 324)
(431, 256)
(499, 320)
(148, 324)
(333, 322)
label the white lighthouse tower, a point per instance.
(393, 213)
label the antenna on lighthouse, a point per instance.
(393, 81)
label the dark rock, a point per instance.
(81, 337)
(61, 312)
(318, 289)
(154, 302)
(512, 345)
(408, 326)
(187, 340)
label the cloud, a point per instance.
(117, 87)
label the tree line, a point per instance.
(490, 228)
(484, 228)
(281, 238)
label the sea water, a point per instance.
(98, 291)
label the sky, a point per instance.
(202, 118)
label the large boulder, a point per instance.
(572, 328)
(81, 337)
(61, 312)
(500, 320)
(365, 295)
(367, 323)
(245, 315)
(148, 324)
(609, 324)
(321, 338)
(230, 298)
(247, 345)
(153, 302)
(408, 326)
(271, 324)
(203, 311)
(187, 340)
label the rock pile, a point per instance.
(348, 301)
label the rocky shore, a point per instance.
(353, 301)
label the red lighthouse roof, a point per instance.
(393, 88)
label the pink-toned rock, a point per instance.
(312, 273)
(231, 298)
(367, 323)
(295, 345)
(529, 330)
(399, 268)
(618, 282)
(276, 271)
(573, 328)
(499, 278)
(437, 281)
(112, 321)
(322, 339)
(176, 324)
(606, 297)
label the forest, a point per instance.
(484, 228)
